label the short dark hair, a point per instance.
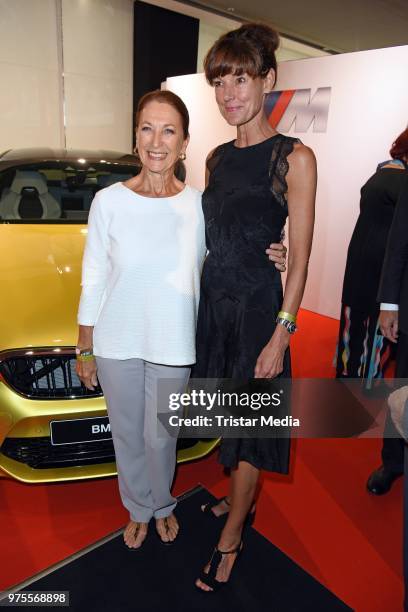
(399, 149)
(250, 49)
(167, 97)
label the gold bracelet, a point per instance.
(287, 316)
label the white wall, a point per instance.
(98, 73)
(368, 109)
(80, 51)
(293, 50)
(30, 100)
(208, 34)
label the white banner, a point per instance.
(348, 108)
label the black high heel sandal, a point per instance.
(209, 578)
(207, 508)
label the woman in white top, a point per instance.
(137, 314)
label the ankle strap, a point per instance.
(229, 552)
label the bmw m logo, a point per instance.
(298, 107)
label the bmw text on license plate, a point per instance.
(72, 431)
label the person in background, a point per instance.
(363, 352)
(393, 294)
(245, 322)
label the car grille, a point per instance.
(45, 376)
(39, 453)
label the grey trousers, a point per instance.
(145, 461)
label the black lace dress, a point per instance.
(245, 210)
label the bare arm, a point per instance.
(94, 267)
(85, 336)
(301, 181)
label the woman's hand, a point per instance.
(277, 253)
(270, 361)
(86, 371)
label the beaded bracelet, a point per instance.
(85, 357)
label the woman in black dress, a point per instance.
(253, 184)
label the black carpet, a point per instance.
(161, 578)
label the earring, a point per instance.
(182, 156)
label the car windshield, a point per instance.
(55, 192)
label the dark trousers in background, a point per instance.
(393, 447)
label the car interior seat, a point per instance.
(28, 198)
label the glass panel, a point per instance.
(56, 192)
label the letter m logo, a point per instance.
(298, 107)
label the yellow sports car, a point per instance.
(51, 427)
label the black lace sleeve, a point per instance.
(279, 166)
(216, 155)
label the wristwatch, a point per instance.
(86, 352)
(290, 326)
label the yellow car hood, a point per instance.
(40, 272)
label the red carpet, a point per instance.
(321, 515)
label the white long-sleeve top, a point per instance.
(141, 275)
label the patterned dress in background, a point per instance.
(362, 351)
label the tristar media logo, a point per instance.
(299, 107)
